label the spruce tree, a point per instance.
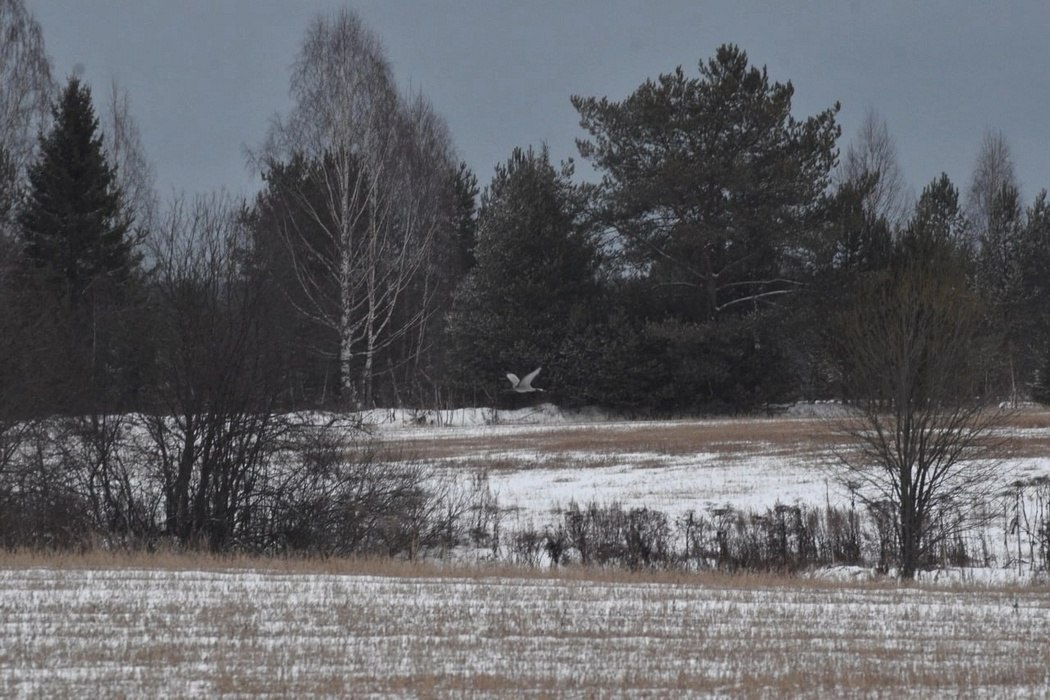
(72, 228)
(534, 284)
(938, 234)
(78, 267)
(1035, 299)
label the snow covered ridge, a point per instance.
(144, 633)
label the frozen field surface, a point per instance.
(538, 460)
(153, 633)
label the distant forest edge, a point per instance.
(729, 258)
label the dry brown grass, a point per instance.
(174, 561)
(766, 436)
(590, 445)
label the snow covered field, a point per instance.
(206, 630)
(537, 460)
(70, 632)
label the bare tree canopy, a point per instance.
(924, 451)
(873, 154)
(26, 86)
(26, 89)
(124, 150)
(993, 171)
(376, 176)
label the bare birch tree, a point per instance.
(993, 171)
(26, 86)
(873, 154)
(125, 151)
(369, 206)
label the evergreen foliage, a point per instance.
(72, 226)
(464, 217)
(708, 180)
(937, 236)
(534, 283)
(711, 186)
(288, 242)
(79, 269)
(1034, 304)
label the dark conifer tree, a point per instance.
(1034, 299)
(938, 234)
(535, 278)
(464, 217)
(79, 267)
(72, 226)
(709, 185)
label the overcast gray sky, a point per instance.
(205, 76)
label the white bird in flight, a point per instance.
(524, 385)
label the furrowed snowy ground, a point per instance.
(149, 633)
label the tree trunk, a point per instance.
(910, 535)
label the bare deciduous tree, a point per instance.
(215, 422)
(370, 208)
(125, 151)
(924, 446)
(992, 173)
(26, 89)
(873, 154)
(26, 86)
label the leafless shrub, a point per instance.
(555, 542)
(40, 506)
(98, 452)
(1025, 509)
(343, 499)
(636, 538)
(486, 515)
(214, 424)
(526, 544)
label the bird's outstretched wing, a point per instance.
(527, 381)
(514, 381)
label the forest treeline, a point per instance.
(712, 267)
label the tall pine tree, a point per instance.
(708, 185)
(72, 227)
